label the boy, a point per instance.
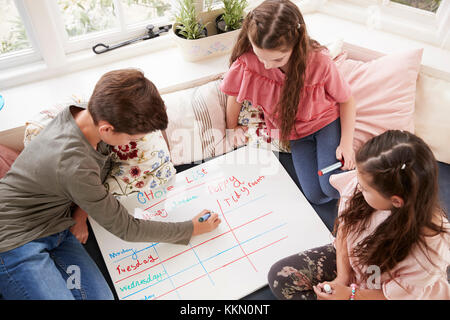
(62, 171)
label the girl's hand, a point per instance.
(80, 228)
(205, 226)
(238, 135)
(345, 152)
(339, 291)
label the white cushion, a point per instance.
(432, 115)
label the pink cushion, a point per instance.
(384, 90)
(7, 157)
(345, 183)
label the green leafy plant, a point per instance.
(189, 26)
(233, 13)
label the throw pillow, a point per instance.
(384, 90)
(138, 165)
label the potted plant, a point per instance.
(193, 45)
(232, 17)
(187, 24)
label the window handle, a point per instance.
(101, 47)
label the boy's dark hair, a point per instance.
(129, 102)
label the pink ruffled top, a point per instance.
(413, 278)
(324, 88)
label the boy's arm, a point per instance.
(85, 189)
(80, 229)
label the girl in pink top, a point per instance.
(305, 101)
(392, 237)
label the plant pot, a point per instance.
(221, 25)
(213, 45)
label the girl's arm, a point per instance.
(341, 284)
(341, 292)
(345, 148)
(343, 267)
(232, 113)
(369, 294)
(238, 136)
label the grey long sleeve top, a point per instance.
(58, 168)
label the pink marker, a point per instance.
(335, 166)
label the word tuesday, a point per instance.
(133, 267)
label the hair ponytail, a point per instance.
(382, 158)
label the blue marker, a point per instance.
(204, 217)
(2, 102)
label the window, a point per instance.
(13, 36)
(84, 23)
(136, 11)
(86, 16)
(428, 5)
(421, 20)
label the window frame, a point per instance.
(111, 36)
(23, 56)
(395, 18)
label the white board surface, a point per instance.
(264, 216)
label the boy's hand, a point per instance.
(205, 226)
(80, 229)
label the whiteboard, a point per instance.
(264, 217)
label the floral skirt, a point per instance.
(293, 277)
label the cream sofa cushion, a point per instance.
(432, 115)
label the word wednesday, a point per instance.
(248, 309)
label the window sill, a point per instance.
(161, 62)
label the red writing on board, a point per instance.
(157, 213)
(224, 184)
(124, 269)
(241, 189)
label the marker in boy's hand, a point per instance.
(204, 217)
(204, 223)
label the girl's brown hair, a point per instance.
(401, 164)
(129, 102)
(279, 24)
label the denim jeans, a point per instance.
(315, 152)
(56, 267)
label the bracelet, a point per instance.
(353, 286)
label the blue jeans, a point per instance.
(315, 152)
(56, 267)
